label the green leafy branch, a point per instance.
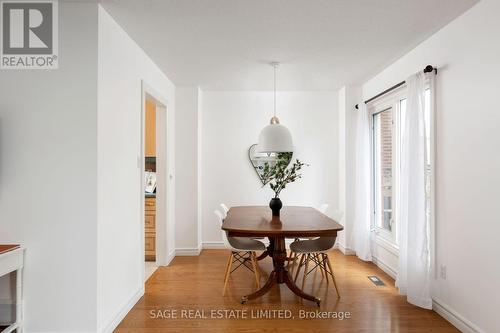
(279, 175)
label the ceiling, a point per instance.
(321, 44)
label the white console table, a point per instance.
(12, 260)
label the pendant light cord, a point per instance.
(274, 119)
(275, 65)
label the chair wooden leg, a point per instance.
(306, 267)
(228, 272)
(261, 271)
(290, 260)
(296, 261)
(333, 276)
(298, 267)
(291, 263)
(253, 258)
(317, 256)
(324, 258)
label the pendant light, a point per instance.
(275, 138)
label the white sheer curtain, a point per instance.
(362, 186)
(414, 274)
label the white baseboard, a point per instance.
(118, 317)
(386, 268)
(170, 257)
(213, 245)
(188, 251)
(454, 317)
(445, 311)
(345, 250)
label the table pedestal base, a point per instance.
(279, 275)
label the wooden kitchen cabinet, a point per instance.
(150, 130)
(150, 229)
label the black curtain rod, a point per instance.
(427, 69)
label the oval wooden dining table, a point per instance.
(257, 221)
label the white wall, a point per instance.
(122, 66)
(467, 54)
(186, 139)
(48, 158)
(347, 98)
(232, 121)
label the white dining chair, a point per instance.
(225, 210)
(315, 252)
(337, 215)
(323, 207)
(242, 251)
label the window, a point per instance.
(383, 168)
(388, 114)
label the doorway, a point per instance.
(155, 183)
(150, 186)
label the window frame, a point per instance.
(384, 238)
(390, 101)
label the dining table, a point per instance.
(293, 222)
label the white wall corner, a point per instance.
(170, 257)
(348, 97)
(345, 250)
(188, 199)
(120, 97)
(342, 158)
(199, 168)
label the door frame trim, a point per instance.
(165, 185)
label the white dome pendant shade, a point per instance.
(275, 138)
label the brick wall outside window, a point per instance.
(385, 173)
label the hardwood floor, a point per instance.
(195, 283)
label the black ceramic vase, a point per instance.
(275, 204)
